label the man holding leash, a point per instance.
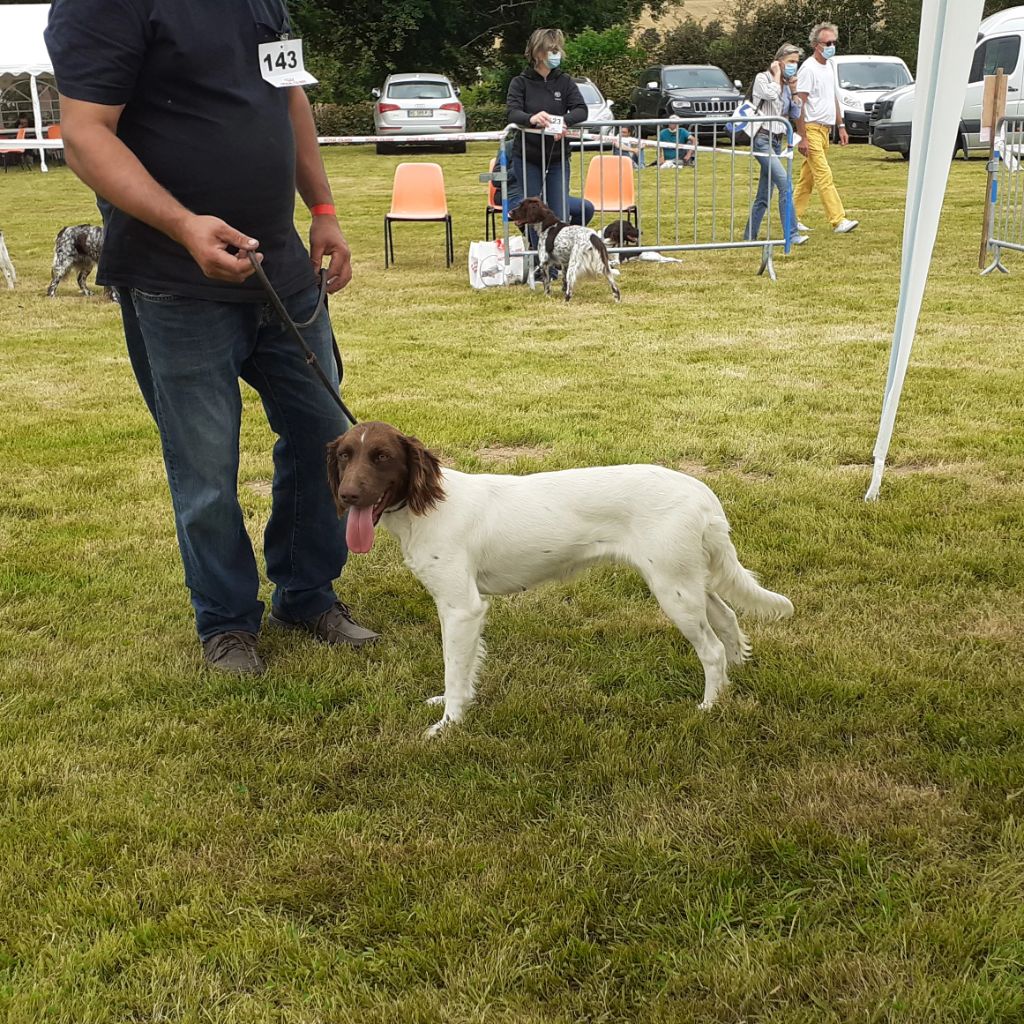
(820, 113)
(190, 121)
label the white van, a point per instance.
(860, 80)
(1000, 45)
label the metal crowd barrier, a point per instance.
(676, 205)
(1005, 213)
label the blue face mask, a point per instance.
(828, 52)
(554, 59)
(788, 70)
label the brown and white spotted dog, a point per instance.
(77, 248)
(574, 249)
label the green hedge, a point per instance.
(357, 118)
(343, 118)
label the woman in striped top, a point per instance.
(773, 96)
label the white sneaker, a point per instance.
(845, 225)
(798, 239)
(802, 228)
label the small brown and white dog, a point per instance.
(574, 249)
(621, 234)
(468, 536)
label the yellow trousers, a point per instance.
(816, 173)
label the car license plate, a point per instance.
(420, 113)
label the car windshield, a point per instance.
(591, 94)
(873, 75)
(696, 78)
(419, 91)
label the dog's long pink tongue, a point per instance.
(359, 530)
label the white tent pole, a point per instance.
(38, 115)
(949, 29)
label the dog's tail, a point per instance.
(732, 582)
(602, 251)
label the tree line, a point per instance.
(354, 44)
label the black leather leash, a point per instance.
(295, 328)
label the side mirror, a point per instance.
(611, 103)
(458, 91)
(737, 83)
(375, 93)
(652, 85)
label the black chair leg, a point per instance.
(387, 232)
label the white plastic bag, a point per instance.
(487, 263)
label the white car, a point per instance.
(862, 79)
(418, 104)
(598, 109)
(1000, 45)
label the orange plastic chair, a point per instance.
(493, 208)
(54, 132)
(609, 185)
(418, 194)
(9, 154)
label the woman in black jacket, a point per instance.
(543, 90)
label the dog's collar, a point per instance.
(404, 503)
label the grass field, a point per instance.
(840, 841)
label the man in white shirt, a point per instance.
(820, 114)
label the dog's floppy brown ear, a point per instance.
(334, 474)
(425, 489)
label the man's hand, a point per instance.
(208, 240)
(844, 136)
(541, 120)
(326, 240)
(801, 147)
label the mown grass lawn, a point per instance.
(839, 841)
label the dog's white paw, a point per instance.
(706, 705)
(431, 701)
(438, 728)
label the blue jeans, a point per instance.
(528, 180)
(188, 355)
(773, 176)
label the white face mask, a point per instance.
(554, 58)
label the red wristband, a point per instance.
(322, 210)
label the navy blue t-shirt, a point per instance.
(203, 122)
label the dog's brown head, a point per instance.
(533, 213)
(621, 233)
(373, 467)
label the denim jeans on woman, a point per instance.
(773, 177)
(529, 179)
(188, 356)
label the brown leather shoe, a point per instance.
(234, 651)
(334, 626)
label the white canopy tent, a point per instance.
(949, 31)
(23, 56)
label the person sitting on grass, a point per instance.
(676, 137)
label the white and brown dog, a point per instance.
(466, 537)
(574, 249)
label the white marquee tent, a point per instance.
(23, 59)
(949, 30)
